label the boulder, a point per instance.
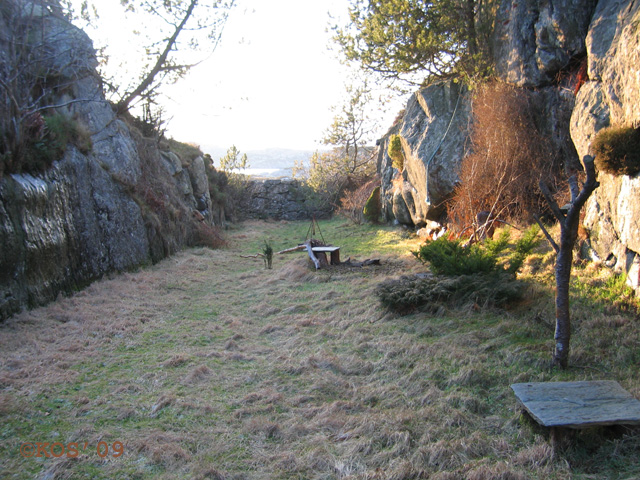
(433, 132)
(401, 211)
(435, 139)
(200, 185)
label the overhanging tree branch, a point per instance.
(160, 65)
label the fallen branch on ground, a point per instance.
(293, 249)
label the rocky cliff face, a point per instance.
(535, 42)
(87, 215)
(610, 97)
(536, 39)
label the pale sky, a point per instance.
(271, 82)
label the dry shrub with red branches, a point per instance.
(509, 157)
(353, 202)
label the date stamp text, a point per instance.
(70, 450)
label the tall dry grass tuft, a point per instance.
(198, 375)
(509, 157)
(164, 448)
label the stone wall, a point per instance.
(279, 199)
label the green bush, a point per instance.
(523, 249)
(450, 257)
(494, 289)
(496, 247)
(372, 209)
(617, 150)
(480, 274)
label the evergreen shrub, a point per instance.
(406, 294)
(372, 209)
(479, 274)
(450, 257)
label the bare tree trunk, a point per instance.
(568, 235)
(470, 20)
(562, 334)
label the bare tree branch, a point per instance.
(546, 233)
(124, 103)
(553, 205)
(574, 188)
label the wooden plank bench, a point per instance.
(578, 404)
(322, 254)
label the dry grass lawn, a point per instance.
(208, 366)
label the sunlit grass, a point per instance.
(361, 241)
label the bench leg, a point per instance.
(322, 258)
(335, 257)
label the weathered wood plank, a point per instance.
(325, 249)
(578, 404)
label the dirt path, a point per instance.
(209, 366)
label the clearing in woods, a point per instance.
(207, 365)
